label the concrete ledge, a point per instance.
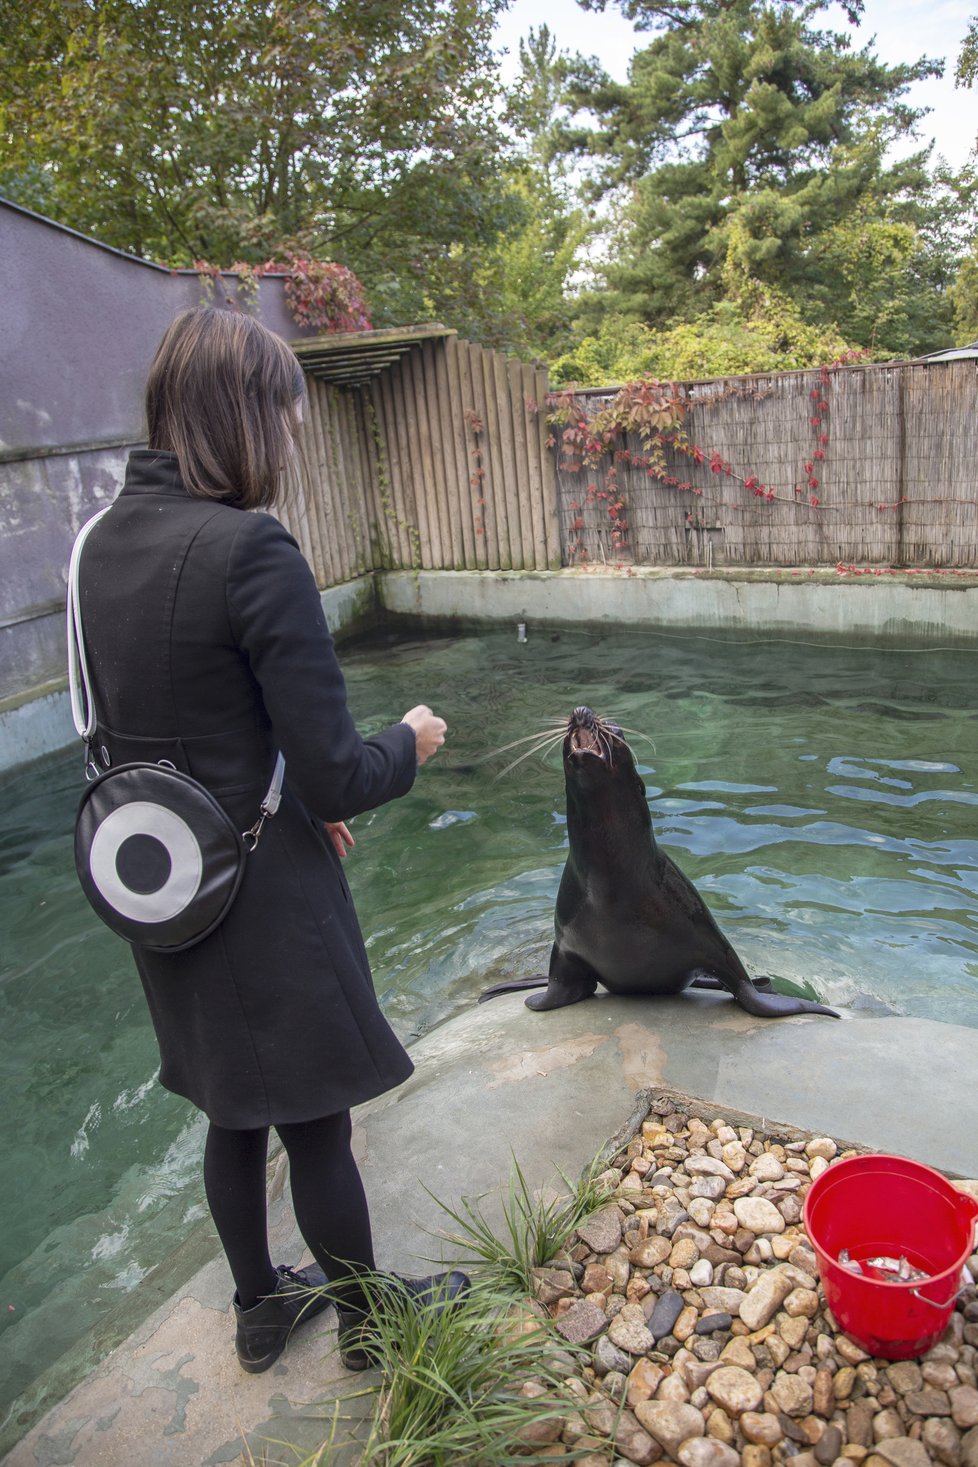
(496, 1082)
(823, 602)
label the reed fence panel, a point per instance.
(894, 485)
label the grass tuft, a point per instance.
(534, 1228)
(452, 1381)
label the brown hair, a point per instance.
(222, 395)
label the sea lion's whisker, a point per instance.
(542, 733)
(544, 746)
(634, 733)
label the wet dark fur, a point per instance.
(626, 915)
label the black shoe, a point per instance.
(357, 1331)
(263, 1331)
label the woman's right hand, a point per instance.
(429, 730)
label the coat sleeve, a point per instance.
(277, 618)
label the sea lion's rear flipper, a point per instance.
(539, 980)
(763, 985)
(771, 1005)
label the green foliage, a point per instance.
(361, 132)
(762, 334)
(964, 296)
(748, 148)
(966, 71)
(523, 279)
(534, 1228)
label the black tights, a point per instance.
(327, 1196)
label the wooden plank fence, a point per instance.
(439, 462)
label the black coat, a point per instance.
(208, 646)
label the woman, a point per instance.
(208, 647)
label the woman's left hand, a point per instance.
(339, 835)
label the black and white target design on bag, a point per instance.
(146, 862)
(158, 858)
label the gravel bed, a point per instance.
(695, 1291)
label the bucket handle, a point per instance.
(933, 1303)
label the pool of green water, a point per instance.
(823, 799)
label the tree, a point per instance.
(966, 71)
(536, 259)
(750, 148)
(357, 129)
(514, 293)
(761, 332)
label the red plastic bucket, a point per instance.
(886, 1206)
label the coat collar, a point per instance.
(153, 471)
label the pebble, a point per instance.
(650, 1253)
(711, 1188)
(943, 1440)
(665, 1313)
(697, 1291)
(710, 1323)
(608, 1357)
(602, 1231)
(707, 1452)
(701, 1273)
(766, 1168)
(727, 1301)
(761, 1427)
(902, 1451)
(764, 1299)
(792, 1394)
(758, 1215)
(964, 1406)
(709, 1166)
(670, 1422)
(629, 1331)
(735, 1389)
(582, 1323)
(643, 1382)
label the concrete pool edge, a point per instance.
(494, 1082)
(777, 601)
(924, 606)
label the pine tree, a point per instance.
(749, 149)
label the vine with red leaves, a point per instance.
(655, 412)
(319, 293)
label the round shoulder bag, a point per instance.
(158, 858)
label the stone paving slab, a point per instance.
(500, 1081)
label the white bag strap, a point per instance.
(80, 682)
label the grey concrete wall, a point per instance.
(80, 324)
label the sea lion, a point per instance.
(626, 915)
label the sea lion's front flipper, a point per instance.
(771, 1005)
(539, 980)
(571, 979)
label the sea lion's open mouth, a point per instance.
(586, 734)
(584, 740)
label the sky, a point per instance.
(900, 30)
